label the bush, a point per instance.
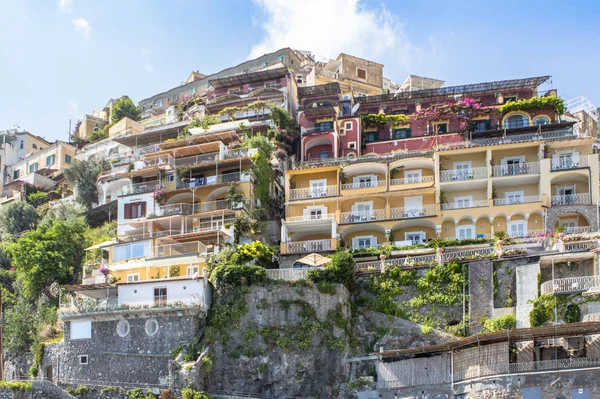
(227, 276)
(543, 311)
(38, 198)
(572, 314)
(256, 251)
(506, 322)
(189, 393)
(16, 386)
(339, 271)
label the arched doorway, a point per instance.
(49, 373)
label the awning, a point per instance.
(102, 245)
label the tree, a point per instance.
(20, 328)
(124, 107)
(65, 211)
(82, 175)
(51, 253)
(17, 217)
(263, 173)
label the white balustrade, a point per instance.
(295, 247)
(517, 200)
(411, 180)
(571, 199)
(313, 192)
(306, 218)
(362, 216)
(527, 168)
(358, 185)
(463, 174)
(407, 213)
(465, 204)
(570, 284)
(289, 274)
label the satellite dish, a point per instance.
(355, 108)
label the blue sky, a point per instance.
(60, 59)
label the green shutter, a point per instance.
(488, 125)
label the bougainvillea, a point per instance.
(465, 110)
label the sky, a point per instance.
(61, 59)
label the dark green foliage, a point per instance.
(189, 393)
(83, 174)
(262, 170)
(225, 276)
(572, 314)
(20, 327)
(124, 107)
(17, 217)
(530, 104)
(38, 198)
(506, 322)
(339, 271)
(543, 311)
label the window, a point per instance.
(464, 232)
(516, 121)
(130, 251)
(323, 126)
(34, 146)
(371, 137)
(151, 327)
(361, 73)
(318, 188)
(361, 212)
(96, 128)
(463, 202)
(22, 145)
(364, 242)
(348, 125)
(324, 154)
(352, 145)
(315, 212)
(192, 90)
(16, 174)
(160, 296)
(159, 103)
(462, 171)
(364, 181)
(441, 127)
(83, 359)
(402, 133)
(299, 79)
(281, 58)
(565, 160)
(135, 210)
(67, 159)
(540, 121)
(416, 237)
(264, 64)
(514, 197)
(81, 329)
(123, 328)
(517, 229)
(513, 166)
(50, 160)
(400, 112)
(510, 98)
(132, 278)
(413, 176)
(482, 126)
(33, 167)
(170, 178)
(192, 271)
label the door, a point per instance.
(532, 392)
(464, 232)
(566, 195)
(362, 211)
(463, 202)
(512, 166)
(49, 373)
(517, 229)
(514, 197)
(566, 160)
(412, 176)
(462, 170)
(365, 181)
(314, 212)
(413, 206)
(318, 188)
(416, 237)
(580, 393)
(160, 296)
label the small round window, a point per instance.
(151, 327)
(123, 328)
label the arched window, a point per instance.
(517, 120)
(541, 120)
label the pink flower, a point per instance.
(104, 270)
(12, 269)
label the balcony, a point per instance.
(139, 188)
(528, 168)
(416, 180)
(196, 160)
(461, 174)
(369, 184)
(570, 285)
(73, 307)
(517, 200)
(363, 216)
(214, 180)
(521, 138)
(299, 247)
(465, 205)
(578, 230)
(195, 248)
(289, 274)
(192, 209)
(408, 213)
(240, 153)
(313, 192)
(571, 199)
(569, 163)
(306, 218)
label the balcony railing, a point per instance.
(517, 200)
(313, 192)
(160, 161)
(469, 253)
(571, 199)
(578, 230)
(528, 168)
(362, 216)
(213, 180)
(411, 180)
(407, 213)
(369, 184)
(306, 218)
(288, 274)
(520, 138)
(570, 284)
(577, 246)
(139, 188)
(463, 174)
(565, 164)
(298, 247)
(183, 249)
(465, 205)
(240, 153)
(197, 159)
(90, 305)
(192, 209)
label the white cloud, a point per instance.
(329, 27)
(82, 25)
(64, 5)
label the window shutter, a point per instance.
(373, 241)
(488, 125)
(354, 243)
(143, 212)
(127, 211)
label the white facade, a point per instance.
(176, 291)
(123, 226)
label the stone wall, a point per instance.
(137, 358)
(481, 293)
(588, 211)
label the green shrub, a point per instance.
(226, 276)
(534, 103)
(572, 314)
(543, 311)
(506, 322)
(189, 393)
(16, 386)
(339, 271)
(255, 251)
(38, 198)
(175, 352)
(207, 364)
(107, 391)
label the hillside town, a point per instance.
(297, 228)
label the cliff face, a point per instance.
(286, 341)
